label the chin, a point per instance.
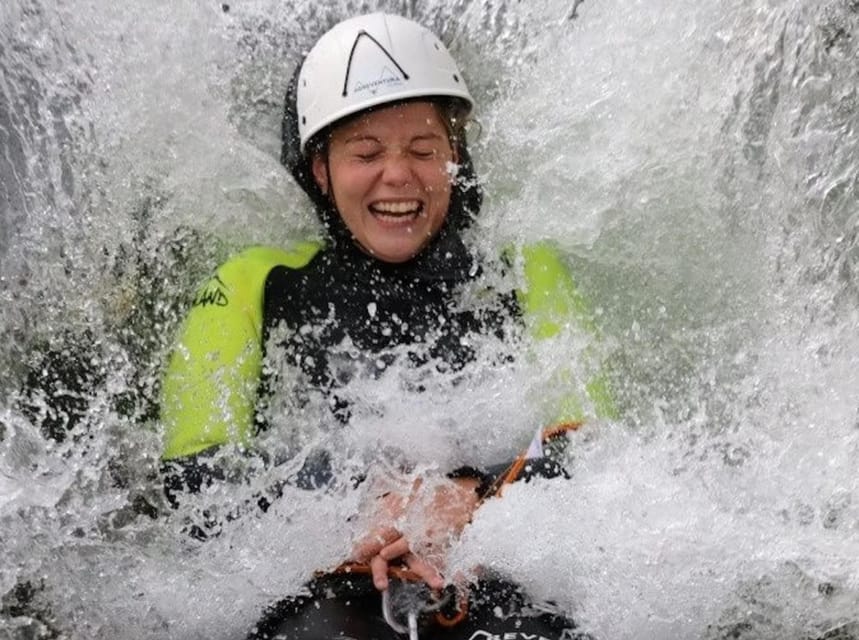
(395, 259)
(396, 256)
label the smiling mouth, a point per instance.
(402, 211)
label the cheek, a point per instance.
(438, 178)
(348, 184)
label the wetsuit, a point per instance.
(215, 375)
(306, 302)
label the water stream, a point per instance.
(697, 164)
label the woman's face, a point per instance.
(389, 173)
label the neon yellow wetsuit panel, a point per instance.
(549, 302)
(210, 386)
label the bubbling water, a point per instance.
(695, 162)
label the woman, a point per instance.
(374, 133)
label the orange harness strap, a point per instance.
(515, 469)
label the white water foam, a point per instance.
(696, 162)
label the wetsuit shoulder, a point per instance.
(550, 298)
(209, 387)
(550, 301)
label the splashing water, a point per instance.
(697, 164)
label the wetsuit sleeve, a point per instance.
(550, 301)
(210, 385)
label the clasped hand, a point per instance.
(415, 529)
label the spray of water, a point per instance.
(696, 163)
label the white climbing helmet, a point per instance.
(371, 60)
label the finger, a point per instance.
(373, 543)
(379, 568)
(363, 551)
(425, 571)
(396, 549)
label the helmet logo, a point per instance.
(371, 67)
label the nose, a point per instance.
(396, 171)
